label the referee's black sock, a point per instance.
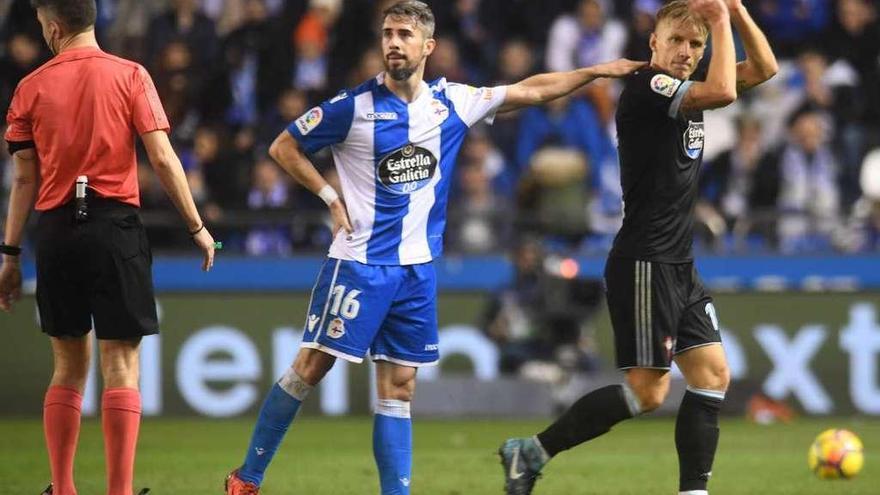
(591, 416)
(696, 437)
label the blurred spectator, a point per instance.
(478, 219)
(369, 66)
(184, 22)
(789, 23)
(541, 320)
(291, 104)
(640, 28)
(224, 177)
(863, 230)
(586, 38)
(23, 54)
(809, 196)
(552, 197)
(739, 188)
(179, 83)
(268, 192)
(446, 62)
(515, 63)
(311, 42)
(569, 122)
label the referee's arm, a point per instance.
(21, 200)
(167, 166)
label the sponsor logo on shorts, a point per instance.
(407, 169)
(313, 320)
(694, 136)
(336, 328)
(664, 85)
(712, 314)
(404, 481)
(432, 347)
(310, 120)
(260, 450)
(669, 344)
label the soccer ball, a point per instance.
(836, 454)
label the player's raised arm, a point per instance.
(719, 89)
(286, 151)
(760, 63)
(542, 88)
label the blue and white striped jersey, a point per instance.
(395, 162)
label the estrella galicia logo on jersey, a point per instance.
(694, 136)
(407, 169)
(310, 120)
(336, 329)
(665, 85)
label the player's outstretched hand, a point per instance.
(340, 217)
(711, 10)
(10, 284)
(619, 68)
(205, 242)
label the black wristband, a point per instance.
(9, 250)
(201, 228)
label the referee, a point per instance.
(71, 128)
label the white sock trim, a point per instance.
(294, 385)
(694, 492)
(705, 392)
(632, 401)
(393, 408)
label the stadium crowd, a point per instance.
(793, 166)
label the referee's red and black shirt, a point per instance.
(83, 111)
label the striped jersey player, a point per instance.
(394, 141)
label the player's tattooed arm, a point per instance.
(760, 63)
(542, 88)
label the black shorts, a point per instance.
(95, 271)
(657, 310)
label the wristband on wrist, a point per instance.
(201, 228)
(328, 194)
(9, 250)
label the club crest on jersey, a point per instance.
(336, 329)
(694, 136)
(664, 85)
(310, 120)
(438, 112)
(407, 169)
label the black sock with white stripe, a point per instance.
(590, 416)
(696, 438)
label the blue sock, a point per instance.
(275, 417)
(392, 446)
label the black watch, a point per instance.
(9, 250)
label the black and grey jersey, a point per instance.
(661, 149)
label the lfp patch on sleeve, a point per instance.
(665, 85)
(310, 120)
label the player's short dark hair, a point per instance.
(678, 10)
(419, 12)
(75, 15)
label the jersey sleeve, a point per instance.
(147, 112)
(658, 92)
(324, 125)
(18, 120)
(475, 104)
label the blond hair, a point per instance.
(677, 10)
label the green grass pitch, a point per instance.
(334, 456)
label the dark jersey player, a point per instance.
(659, 309)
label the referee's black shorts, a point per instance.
(657, 310)
(98, 270)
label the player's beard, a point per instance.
(401, 72)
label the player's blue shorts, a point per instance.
(389, 310)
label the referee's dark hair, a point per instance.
(415, 10)
(76, 16)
